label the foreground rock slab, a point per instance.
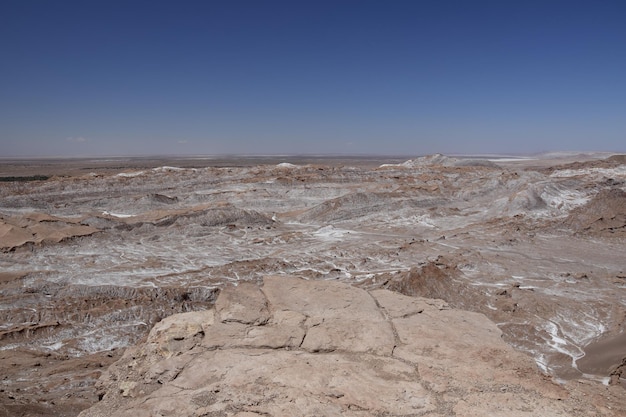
(293, 347)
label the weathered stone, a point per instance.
(339, 317)
(312, 348)
(181, 326)
(175, 333)
(244, 304)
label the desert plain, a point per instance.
(95, 252)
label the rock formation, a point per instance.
(604, 215)
(38, 227)
(324, 348)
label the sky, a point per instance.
(130, 78)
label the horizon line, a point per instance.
(563, 153)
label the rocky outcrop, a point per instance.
(36, 228)
(604, 215)
(297, 347)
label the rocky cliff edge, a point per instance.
(293, 347)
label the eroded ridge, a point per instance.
(298, 347)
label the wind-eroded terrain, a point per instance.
(95, 255)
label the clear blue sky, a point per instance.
(267, 77)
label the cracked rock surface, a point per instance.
(324, 348)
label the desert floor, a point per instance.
(94, 252)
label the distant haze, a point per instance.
(96, 78)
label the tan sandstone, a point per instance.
(322, 348)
